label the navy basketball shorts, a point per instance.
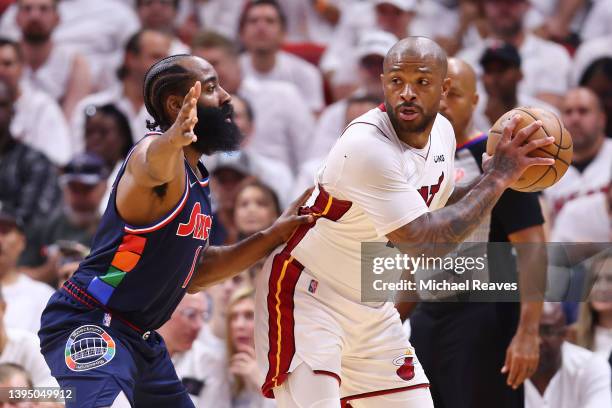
(100, 356)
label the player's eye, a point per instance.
(395, 80)
(212, 87)
(424, 82)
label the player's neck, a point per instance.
(418, 140)
(193, 157)
(263, 61)
(36, 54)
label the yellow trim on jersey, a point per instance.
(278, 317)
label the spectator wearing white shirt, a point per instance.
(312, 21)
(583, 219)
(245, 374)
(502, 73)
(98, 30)
(567, 376)
(589, 172)
(25, 298)
(143, 49)
(545, 65)
(262, 32)
(593, 329)
(160, 15)
(201, 369)
(275, 174)
(283, 121)
(38, 121)
(392, 16)
(587, 53)
(22, 347)
(220, 16)
(58, 70)
(598, 78)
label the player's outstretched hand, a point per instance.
(290, 219)
(522, 357)
(181, 132)
(511, 156)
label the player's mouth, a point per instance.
(408, 113)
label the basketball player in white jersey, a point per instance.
(387, 178)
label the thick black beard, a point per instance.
(401, 127)
(214, 133)
(35, 36)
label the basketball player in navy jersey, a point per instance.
(98, 331)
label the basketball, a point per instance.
(537, 178)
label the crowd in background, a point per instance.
(71, 108)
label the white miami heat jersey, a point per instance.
(388, 184)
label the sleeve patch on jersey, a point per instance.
(125, 261)
(100, 290)
(132, 243)
(113, 276)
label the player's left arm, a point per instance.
(522, 355)
(222, 262)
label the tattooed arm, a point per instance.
(461, 190)
(452, 224)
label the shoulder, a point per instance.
(576, 358)
(443, 129)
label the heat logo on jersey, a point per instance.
(405, 362)
(429, 192)
(199, 224)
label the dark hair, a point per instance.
(7, 42)
(211, 39)
(599, 66)
(255, 182)
(164, 78)
(132, 46)
(247, 107)
(125, 131)
(55, 3)
(139, 3)
(255, 3)
(367, 98)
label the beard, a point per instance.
(34, 33)
(214, 132)
(416, 126)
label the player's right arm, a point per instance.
(154, 179)
(454, 223)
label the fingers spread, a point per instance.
(524, 134)
(509, 127)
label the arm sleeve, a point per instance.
(366, 169)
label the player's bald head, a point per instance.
(416, 50)
(462, 74)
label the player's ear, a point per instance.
(446, 84)
(173, 106)
(475, 99)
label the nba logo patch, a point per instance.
(88, 347)
(312, 288)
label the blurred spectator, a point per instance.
(38, 121)
(587, 53)
(25, 298)
(330, 126)
(568, 376)
(583, 219)
(502, 73)
(545, 65)
(66, 235)
(256, 208)
(392, 16)
(364, 82)
(593, 330)
(21, 347)
(598, 78)
(160, 15)
(262, 32)
(142, 50)
(583, 116)
(312, 21)
(14, 376)
(59, 71)
(200, 368)
(275, 174)
(246, 377)
(220, 16)
(283, 122)
(108, 134)
(214, 333)
(28, 181)
(97, 29)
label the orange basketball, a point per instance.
(537, 178)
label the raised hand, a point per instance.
(511, 156)
(181, 131)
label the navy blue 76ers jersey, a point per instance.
(142, 273)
